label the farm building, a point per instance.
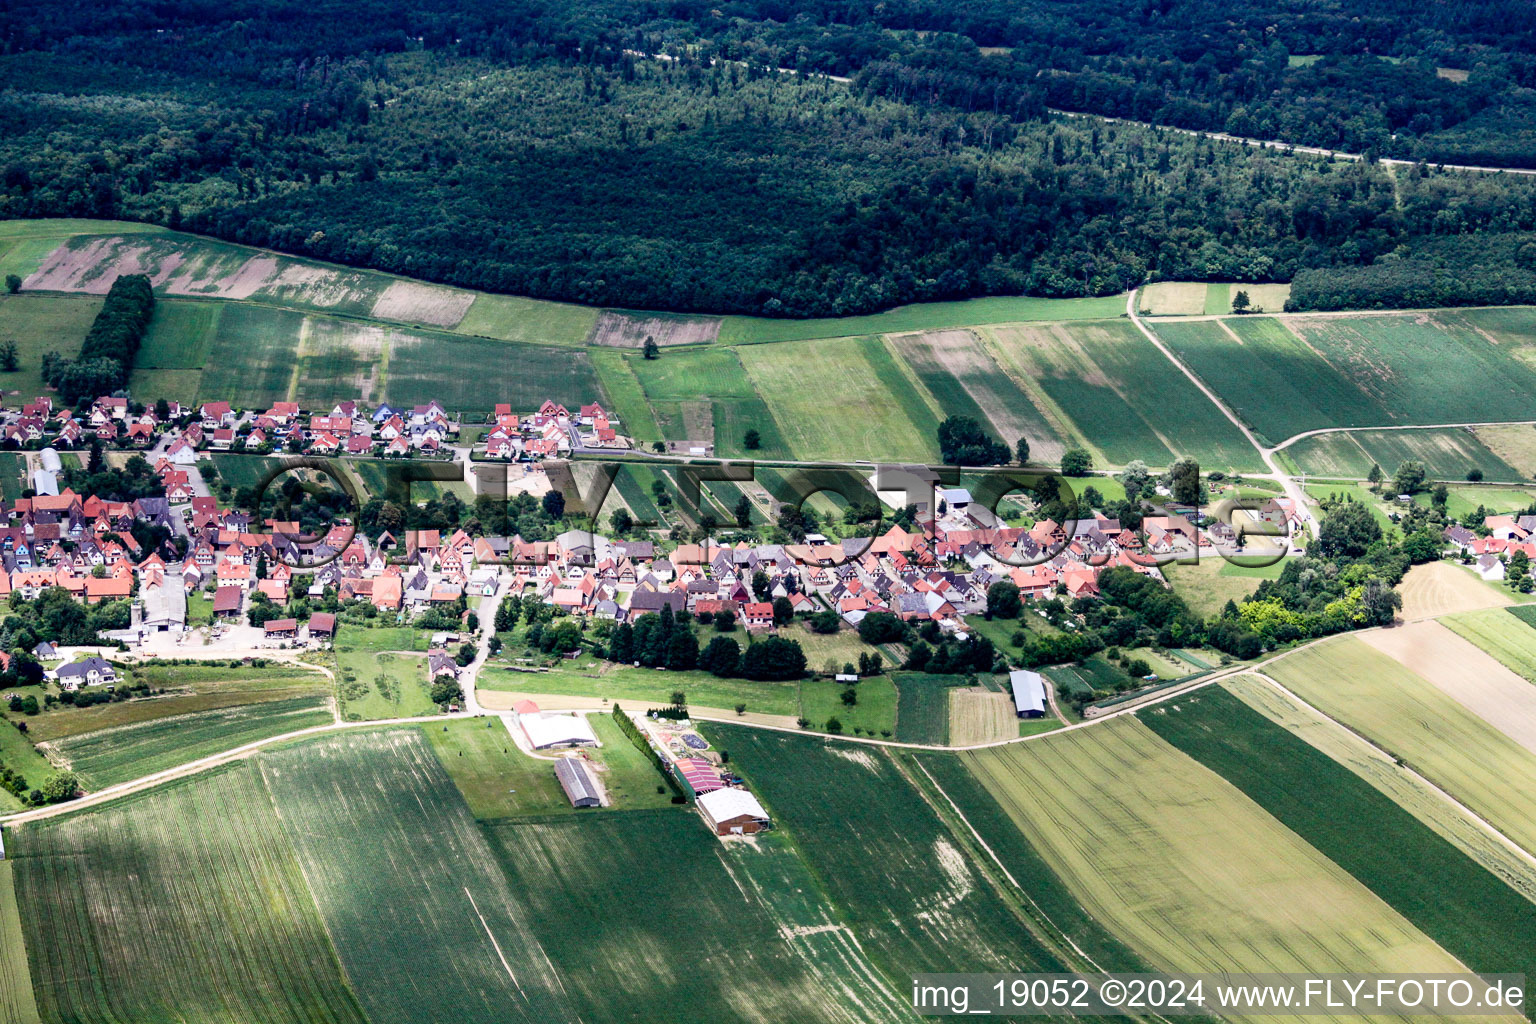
(164, 605)
(282, 629)
(580, 788)
(226, 602)
(1028, 693)
(546, 732)
(322, 626)
(699, 775)
(733, 812)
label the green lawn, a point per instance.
(875, 712)
(374, 681)
(641, 688)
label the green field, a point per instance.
(875, 712)
(746, 330)
(109, 756)
(1183, 867)
(40, 324)
(410, 891)
(179, 335)
(1415, 720)
(1286, 376)
(1472, 914)
(251, 356)
(910, 892)
(513, 318)
(642, 686)
(812, 386)
(17, 1003)
(922, 714)
(12, 468)
(626, 397)
(1446, 454)
(702, 395)
(472, 375)
(375, 680)
(1509, 637)
(1093, 382)
(184, 903)
(18, 754)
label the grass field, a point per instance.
(922, 714)
(1471, 914)
(251, 356)
(1446, 454)
(1185, 868)
(1176, 298)
(17, 1004)
(812, 386)
(626, 397)
(698, 394)
(1514, 444)
(513, 318)
(179, 335)
(909, 891)
(1507, 637)
(373, 815)
(1413, 719)
(40, 324)
(745, 330)
(738, 934)
(375, 680)
(109, 756)
(640, 688)
(12, 471)
(980, 715)
(1094, 380)
(1208, 585)
(875, 712)
(121, 900)
(1286, 376)
(18, 754)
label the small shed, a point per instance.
(580, 788)
(733, 812)
(1028, 693)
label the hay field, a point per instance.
(1467, 674)
(1111, 387)
(629, 330)
(1439, 588)
(1184, 867)
(661, 952)
(1514, 444)
(139, 911)
(1393, 780)
(1472, 914)
(1510, 640)
(979, 715)
(514, 318)
(1412, 718)
(927, 316)
(845, 399)
(1174, 298)
(1447, 454)
(956, 368)
(374, 818)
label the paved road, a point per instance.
(487, 616)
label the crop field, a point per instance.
(812, 387)
(17, 1004)
(1446, 895)
(342, 359)
(179, 334)
(1398, 782)
(1446, 454)
(481, 373)
(1121, 395)
(712, 375)
(109, 756)
(251, 357)
(1176, 298)
(928, 316)
(1514, 444)
(139, 911)
(376, 680)
(1086, 678)
(1182, 866)
(923, 707)
(912, 895)
(626, 398)
(374, 816)
(875, 712)
(958, 371)
(417, 303)
(514, 318)
(24, 244)
(1286, 376)
(1505, 636)
(615, 329)
(979, 715)
(40, 324)
(1415, 720)
(1438, 588)
(646, 952)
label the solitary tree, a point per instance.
(1021, 451)
(9, 362)
(12, 283)
(1076, 462)
(554, 504)
(650, 349)
(1240, 302)
(743, 512)
(1375, 476)
(1474, 474)
(752, 440)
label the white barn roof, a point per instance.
(725, 804)
(1028, 691)
(557, 730)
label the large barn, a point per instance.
(545, 732)
(1028, 693)
(580, 788)
(733, 812)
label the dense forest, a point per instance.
(527, 148)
